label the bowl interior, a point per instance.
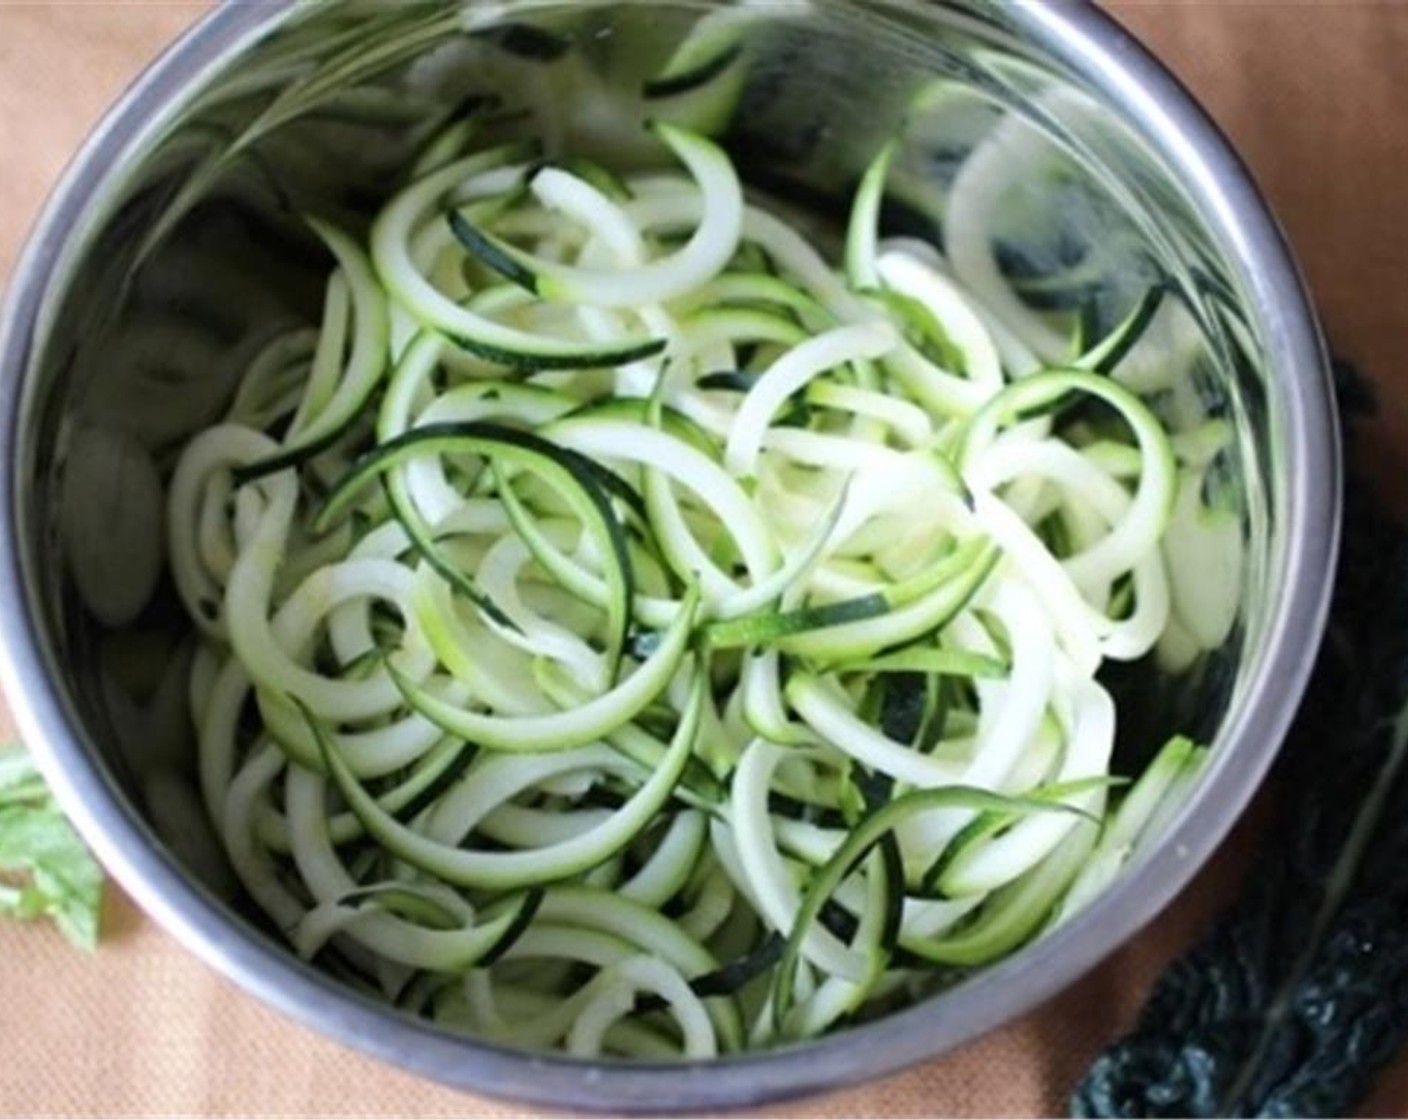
(1046, 193)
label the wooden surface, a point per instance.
(1313, 94)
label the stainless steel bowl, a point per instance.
(121, 335)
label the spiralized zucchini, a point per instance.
(628, 633)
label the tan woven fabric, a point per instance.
(1314, 96)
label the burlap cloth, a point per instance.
(1314, 96)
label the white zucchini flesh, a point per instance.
(609, 563)
(711, 245)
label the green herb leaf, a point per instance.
(45, 871)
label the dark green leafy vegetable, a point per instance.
(45, 871)
(1298, 995)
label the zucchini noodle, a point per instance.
(623, 630)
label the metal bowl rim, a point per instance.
(1119, 67)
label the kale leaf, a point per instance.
(1298, 995)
